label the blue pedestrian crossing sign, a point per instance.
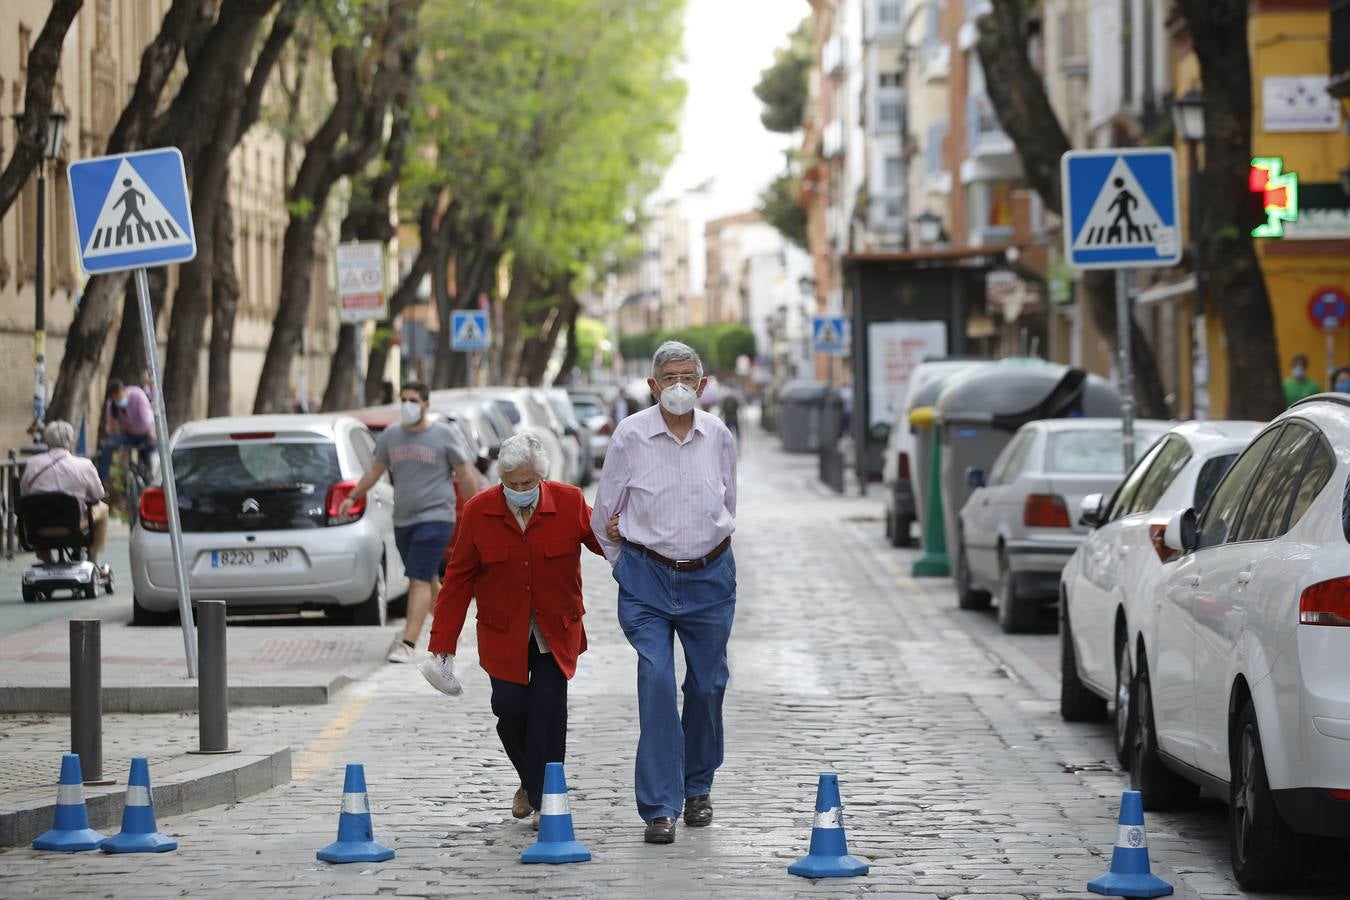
(1120, 208)
(132, 211)
(469, 329)
(829, 334)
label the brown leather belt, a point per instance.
(683, 565)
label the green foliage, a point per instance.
(783, 86)
(300, 208)
(779, 207)
(592, 334)
(639, 346)
(719, 344)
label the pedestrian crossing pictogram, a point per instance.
(829, 334)
(132, 210)
(1123, 216)
(1120, 208)
(133, 218)
(468, 330)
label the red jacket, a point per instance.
(513, 574)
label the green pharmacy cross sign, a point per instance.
(1274, 196)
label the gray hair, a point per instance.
(59, 435)
(522, 449)
(674, 351)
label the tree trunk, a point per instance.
(569, 359)
(443, 368)
(44, 59)
(1218, 30)
(224, 307)
(97, 311)
(538, 350)
(1025, 114)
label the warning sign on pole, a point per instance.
(360, 281)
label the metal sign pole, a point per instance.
(1123, 328)
(166, 472)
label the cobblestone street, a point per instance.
(958, 777)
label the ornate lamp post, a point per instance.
(1188, 115)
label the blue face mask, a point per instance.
(1343, 387)
(521, 499)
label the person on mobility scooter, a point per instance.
(61, 511)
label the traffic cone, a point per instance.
(557, 843)
(139, 834)
(70, 831)
(1130, 875)
(829, 851)
(356, 838)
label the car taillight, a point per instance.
(904, 466)
(1156, 531)
(252, 435)
(336, 494)
(606, 428)
(1338, 794)
(154, 512)
(1045, 511)
(1325, 603)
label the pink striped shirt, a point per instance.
(676, 498)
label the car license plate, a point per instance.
(224, 559)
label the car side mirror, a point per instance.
(1182, 534)
(1090, 511)
(975, 477)
(494, 452)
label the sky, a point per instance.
(727, 43)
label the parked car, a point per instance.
(1015, 533)
(1106, 589)
(481, 426)
(574, 433)
(527, 413)
(1242, 678)
(258, 497)
(901, 462)
(593, 411)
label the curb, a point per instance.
(167, 698)
(226, 780)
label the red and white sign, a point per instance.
(1328, 308)
(360, 281)
(893, 350)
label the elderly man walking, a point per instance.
(61, 472)
(670, 477)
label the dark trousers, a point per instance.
(532, 721)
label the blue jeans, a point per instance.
(677, 754)
(112, 442)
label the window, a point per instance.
(888, 12)
(364, 445)
(1171, 460)
(1084, 452)
(895, 172)
(1273, 491)
(891, 80)
(1006, 465)
(1221, 512)
(937, 133)
(1123, 500)
(1315, 477)
(889, 111)
(1209, 476)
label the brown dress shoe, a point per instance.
(698, 811)
(520, 803)
(660, 830)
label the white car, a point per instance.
(1242, 680)
(1015, 532)
(528, 412)
(258, 497)
(1105, 591)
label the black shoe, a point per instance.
(660, 830)
(698, 811)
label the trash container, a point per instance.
(800, 406)
(978, 412)
(925, 385)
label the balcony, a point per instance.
(890, 111)
(937, 62)
(885, 213)
(887, 20)
(985, 137)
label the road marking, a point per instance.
(318, 756)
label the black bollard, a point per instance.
(213, 691)
(86, 697)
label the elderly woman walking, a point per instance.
(518, 553)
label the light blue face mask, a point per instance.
(521, 499)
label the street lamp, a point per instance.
(1188, 114)
(930, 227)
(51, 150)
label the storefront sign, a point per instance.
(893, 350)
(1298, 103)
(1323, 215)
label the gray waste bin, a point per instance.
(799, 409)
(978, 412)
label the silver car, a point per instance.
(258, 497)
(1020, 525)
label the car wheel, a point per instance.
(374, 610)
(90, 590)
(108, 585)
(1124, 714)
(966, 595)
(30, 594)
(1160, 786)
(1264, 849)
(1076, 702)
(1015, 614)
(148, 617)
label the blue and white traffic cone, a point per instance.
(829, 857)
(356, 837)
(139, 834)
(70, 831)
(557, 843)
(1130, 875)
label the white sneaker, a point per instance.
(400, 653)
(439, 671)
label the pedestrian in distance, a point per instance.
(517, 551)
(1340, 380)
(59, 471)
(421, 454)
(1298, 385)
(731, 414)
(128, 421)
(670, 479)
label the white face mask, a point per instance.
(409, 412)
(678, 399)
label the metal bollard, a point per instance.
(213, 690)
(86, 697)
